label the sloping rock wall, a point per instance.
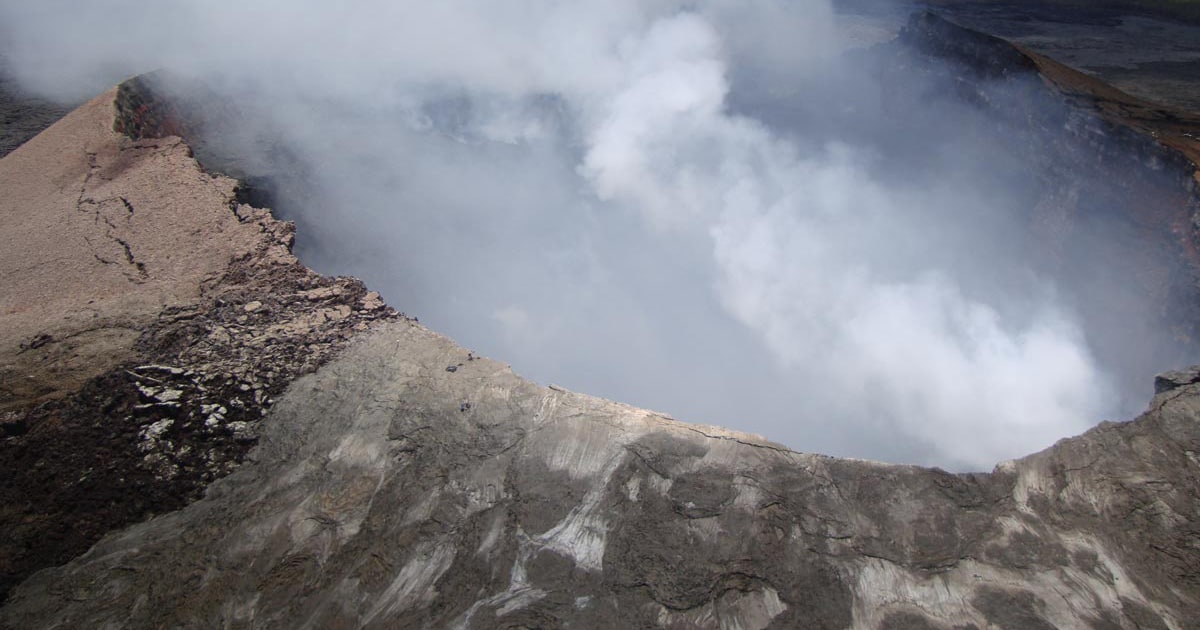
(389, 491)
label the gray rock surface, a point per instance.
(377, 499)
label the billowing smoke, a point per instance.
(709, 207)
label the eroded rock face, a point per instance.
(388, 491)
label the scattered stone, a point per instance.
(250, 307)
(160, 368)
(155, 431)
(241, 430)
(322, 293)
(372, 301)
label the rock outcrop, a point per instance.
(155, 332)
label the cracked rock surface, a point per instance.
(87, 264)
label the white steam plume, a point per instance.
(573, 186)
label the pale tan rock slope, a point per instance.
(146, 321)
(88, 262)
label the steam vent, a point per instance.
(200, 431)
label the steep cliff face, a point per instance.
(400, 480)
(391, 491)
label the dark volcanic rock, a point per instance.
(141, 113)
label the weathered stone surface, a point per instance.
(374, 499)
